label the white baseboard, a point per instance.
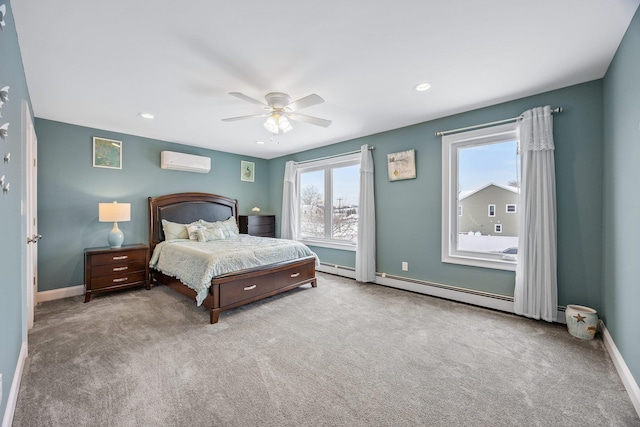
(486, 301)
(625, 374)
(338, 270)
(71, 291)
(12, 399)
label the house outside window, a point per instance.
(479, 173)
(328, 202)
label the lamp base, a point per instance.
(115, 237)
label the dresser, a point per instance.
(107, 269)
(258, 225)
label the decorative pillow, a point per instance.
(196, 232)
(213, 234)
(174, 231)
(228, 227)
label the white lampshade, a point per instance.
(114, 212)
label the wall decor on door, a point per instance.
(4, 131)
(3, 13)
(4, 97)
(247, 171)
(401, 165)
(107, 153)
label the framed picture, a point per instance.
(247, 171)
(401, 165)
(107, 153)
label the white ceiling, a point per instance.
(100, 63)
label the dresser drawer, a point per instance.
(258, 225)
(231, 293)
(118, 280)
(118, 268)
(119, 257)
(110, 269)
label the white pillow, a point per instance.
(213, 234)
(174, 230)
(228, 227)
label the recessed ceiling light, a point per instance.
(260, 142)
(421, 87)
(146, 115)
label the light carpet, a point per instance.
(342, 354)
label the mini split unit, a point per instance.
(184, 162)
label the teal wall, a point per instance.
(408, 213)
(70, 188)
(12, 243)
(621, 284)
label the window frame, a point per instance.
(449, 243)
(495, 228)
(326, 165)
(515, 209)
(489, 214)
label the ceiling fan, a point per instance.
(279, 110)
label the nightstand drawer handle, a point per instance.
(295, 274)
(117, 258)
(123, 279)
(250, 288)
(120, 268)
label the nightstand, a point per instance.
(110, 269)
(258, 225)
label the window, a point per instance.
(328, 200)
(480, 171)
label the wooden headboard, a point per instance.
(185, 208)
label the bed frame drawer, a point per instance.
(234, 292)
(294, 274)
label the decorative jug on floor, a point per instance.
(582, 322)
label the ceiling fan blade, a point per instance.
(307, 101)
(247, 98)
(308, 119)
(253, 116)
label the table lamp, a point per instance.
(108, 212)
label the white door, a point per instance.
(31, 213)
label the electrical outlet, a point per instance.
(405, 266)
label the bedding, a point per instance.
(195, 263)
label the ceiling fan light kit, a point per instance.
(280, 110)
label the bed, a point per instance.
(232, 289)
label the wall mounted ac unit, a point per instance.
(184, 162)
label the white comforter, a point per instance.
(196, 263)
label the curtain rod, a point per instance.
(513, 119)
(331, 157)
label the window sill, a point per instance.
(496, 264)
(330, 244)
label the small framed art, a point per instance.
(401, 165)
(247, 171)
(107, 153)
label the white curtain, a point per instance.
(289, 225)
(366, 251)
(536, 291)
